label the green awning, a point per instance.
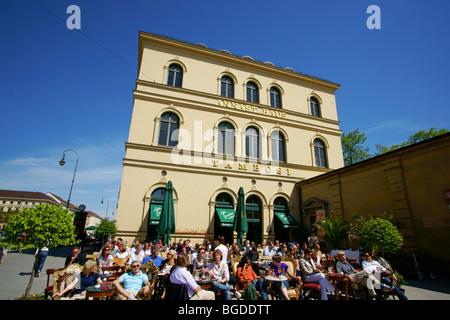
(226, 217)
(155, 214)
(287, 220)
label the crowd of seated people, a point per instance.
(183, 263)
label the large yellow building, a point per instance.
(212, 122)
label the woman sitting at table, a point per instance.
(276, 269)
(245, 274)
(200, 263)
(167, 264)
(220, 275)
(123, 252)
(87, 278)
(105, 259)
(312, 274)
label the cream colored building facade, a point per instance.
(212, 122)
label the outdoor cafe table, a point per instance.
(101, 293)
(203, 283)
(336, 278)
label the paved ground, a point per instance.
(16, 268)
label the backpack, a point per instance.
(250, 292)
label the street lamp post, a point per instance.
(61, 163)
(107, 206)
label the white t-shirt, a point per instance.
(372, 266)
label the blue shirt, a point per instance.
(157, 261)
(130, 281)
(88, 281)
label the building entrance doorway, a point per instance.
(253, 208)
(224, 217)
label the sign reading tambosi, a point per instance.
(251, 108)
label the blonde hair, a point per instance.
(88, 267)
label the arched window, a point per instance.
(275, 98)
(315, 107)
(278, 146)
(225, 139)
(320, 154)
(252, 92)
(252, 142)
(168, 130)
(175, 77)
(227, 87)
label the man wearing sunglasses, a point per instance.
(75, 257)
(131, 283)
(371, 266)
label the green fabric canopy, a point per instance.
(240, 218)
(226, 217)
(167, 220)
(287, 220)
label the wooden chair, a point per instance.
(48, 291)
(64, 277)
(120, 261)
(151, 271)
(115, 271)
(313, 287)
(92, 256)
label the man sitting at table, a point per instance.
(157, 260)
(254, 257)
(372, 266)
(131, 283)
(270, 249)
(362, 278)
(180, 275)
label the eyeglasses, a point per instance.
(135, 266)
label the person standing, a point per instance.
(42, 257)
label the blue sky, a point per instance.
(72, 89)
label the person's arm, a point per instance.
(225, 272)
(120, 289)
(67, 289)
(293, 277)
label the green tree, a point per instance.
(336, 230)
(419, 136)
(106, 228)
(42, 226)
(381, 235)
(353, 147)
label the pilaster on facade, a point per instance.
(402, 212)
